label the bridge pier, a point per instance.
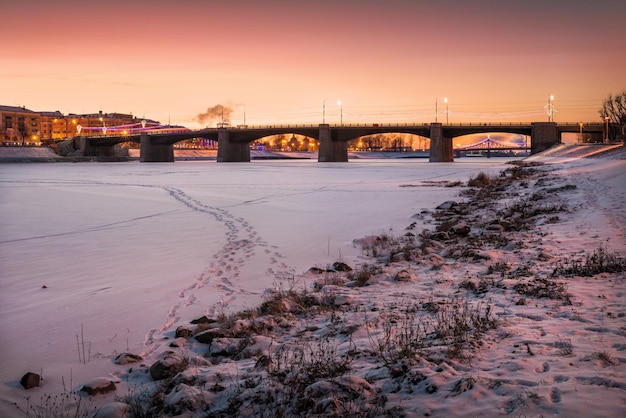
(81, 144)
(441, 150)
(154, 153)
(88, 149)
(229, 151)
(331, 151)
(543, 136)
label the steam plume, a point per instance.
(216, 114)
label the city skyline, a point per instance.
(304, 62)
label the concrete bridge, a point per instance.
(234, 142)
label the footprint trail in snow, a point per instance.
(242, 243)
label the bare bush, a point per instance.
(402, 338)
(480, 180)
(540, 287)
(299, 366)
(600, 261)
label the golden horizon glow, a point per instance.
(275, 62)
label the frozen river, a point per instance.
(128, 251)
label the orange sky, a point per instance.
(280, 60)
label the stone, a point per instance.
(206, 337)
(183, 332)
(440, 236)
(263, 362)
(494, 229)
(226, 347)
(461, 229)
(203, 320)
(507, 225)
(435, 259)
(126, 358)
(179, 343)
(447, 205)
(184, 399)
(403, 276)
(169, 366)
(30, 380)
(97, 386)
(339, 266)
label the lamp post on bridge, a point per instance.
(550, 108)
(436, 108)
(104, 126)
(340, 112)
(445, 100)
(324, 111)
(580, 138)
(606, 129)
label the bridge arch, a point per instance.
(508, 137)
(233, 143)
(291, 141)
(390, 140)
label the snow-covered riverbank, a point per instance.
(531, 358)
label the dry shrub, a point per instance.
(600, 261)
(480, 180)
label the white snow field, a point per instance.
(98, 259)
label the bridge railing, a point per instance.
(339, 125)
(397, 124)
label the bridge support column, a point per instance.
(154, 153)
(441, 150)
(331, 151)
(82, 144)
(231, 152)
(543, 135)
(88, 149)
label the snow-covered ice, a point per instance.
(117, 256)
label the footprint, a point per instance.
(169, 323)
(181, 294)
(555, 395)
(190, 300)
(149, 337)
(545, 367)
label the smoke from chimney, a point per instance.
(216, 114)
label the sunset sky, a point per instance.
(291, 61)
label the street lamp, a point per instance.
(244, 115)
(606, 130)
(550, 109)
(324, 112)
(445, 100)
(340, 112)
(104, 126)
(580, 139)
(436, 108)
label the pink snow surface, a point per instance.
(98, 259)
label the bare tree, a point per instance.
(614, 107)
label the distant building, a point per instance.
(25, 127)
(19, 126)
(50, 128)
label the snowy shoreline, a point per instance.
(323, 344)
(47, 155)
